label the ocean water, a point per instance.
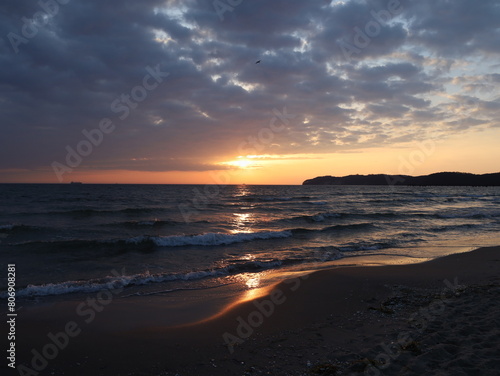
(154, 239)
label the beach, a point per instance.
(436, 317)
(229, 187)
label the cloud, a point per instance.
(411, 79)
(457, 28)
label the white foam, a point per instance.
(209, 239)
(108, 283)
(62, 288)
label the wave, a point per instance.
(152, 223)
(319, 217)
(325, 216)
(235, 266)
(209, 239)
(308, 255)
(107, 283)
(147, 223)
(95, 211)
(366, 246)
(214, 239)
(147, 242)
(452, 227)
(273, 198)
(322, 217)
(16, 228)
(124, 281)
(335, 228)
(478, 215)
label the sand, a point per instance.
(434, 318)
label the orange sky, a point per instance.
(477, 152)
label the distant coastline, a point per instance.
(437, 179)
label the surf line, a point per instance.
(61, 340)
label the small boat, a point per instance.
(76, 182)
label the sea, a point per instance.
(72, 239)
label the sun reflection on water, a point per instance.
(242, 191)
(242, 222)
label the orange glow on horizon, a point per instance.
(477, 153)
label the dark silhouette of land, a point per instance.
(437, 179)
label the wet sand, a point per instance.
(436, 317)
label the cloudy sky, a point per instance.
(170, 91)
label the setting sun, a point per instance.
(242, 163)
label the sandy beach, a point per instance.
(250, 188)
(440, 317)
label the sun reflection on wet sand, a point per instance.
(254, 290)
(257, 285)
(253, 283)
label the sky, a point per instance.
(246, 91)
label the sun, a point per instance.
(241, 162)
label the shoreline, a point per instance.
(328, 317)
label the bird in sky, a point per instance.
(257, 62)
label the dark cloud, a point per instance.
(80, 64)
(455, 28)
